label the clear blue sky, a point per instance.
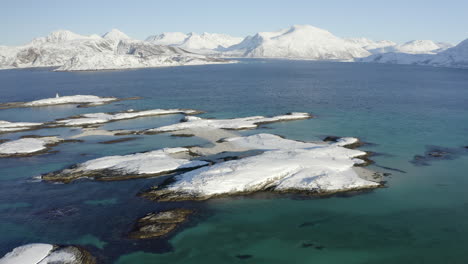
(397, 20)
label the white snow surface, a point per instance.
(297, 42)
(285, 165)
(6, 126)
(72, 99)
(27, 145)
(100, 118)
(27, 254)
(152, 162)
(193, 122)
(264, 141)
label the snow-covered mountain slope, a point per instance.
(201, 43)
(453, 57)
(414, 47)
(208, 41)
(419, 47)
(369, 44)
(114, 50)
(136, 54)
(167, 38)
(297, 42)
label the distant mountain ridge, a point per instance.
(204, 42)
(68, 51)
(456, 56)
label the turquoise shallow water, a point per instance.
(419, 217)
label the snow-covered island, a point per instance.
(7, 127)
(47, 254)
(101, 118)
(194, 122)
(139, 165)
(28, 146)
(92, 119)
(80, 100)
(283, 166)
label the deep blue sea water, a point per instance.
(402, 109)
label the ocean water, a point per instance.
(401, 110)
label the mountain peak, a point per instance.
(115, 34)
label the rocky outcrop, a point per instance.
(138, 165)
(283, 166)
(159, 224)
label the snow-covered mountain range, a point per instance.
(452, 57)
(202, 43)
(69, 51)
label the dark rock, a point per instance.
(158, 224)
(331, 139)
(307, 245)
(336, 139)
(118, 140)
(81, 255)
(390, 169)
(435, 153)
(313, 223)
(182, 135)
